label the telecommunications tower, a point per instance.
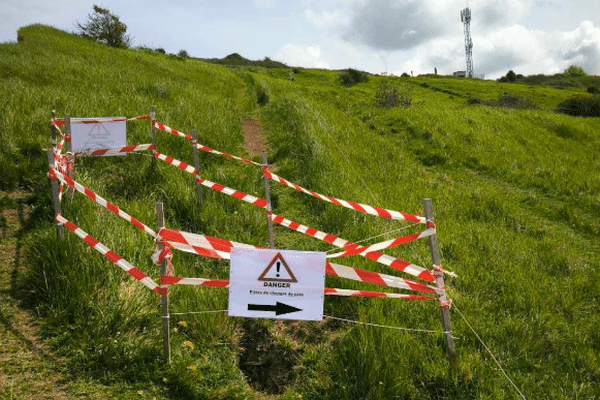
(465, 16)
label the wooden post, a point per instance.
(268, 198)
(164, 299)
(439, 281)
(153, 129)
(55, 195)
(67, 133)
(53, 129)
(197, 166)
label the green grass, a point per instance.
(516, 194)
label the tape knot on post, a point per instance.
(445, 303)
(163, 254)
(438, 271)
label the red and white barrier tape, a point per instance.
(173, 280)
(209, 150)
(199, 244)
(175, 132)
(363, 208)
(127, 149)
(179, 164)
(61, 122)
(98, 199)
(385, 245)
(112, 256)
(364, 293)
(219, 248)
(385, 259)
(376, 278)
(214, 186)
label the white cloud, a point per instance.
(301, 56)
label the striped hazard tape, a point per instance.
(173, 280)
(127, 149)
(363, 208)
(209, 150)
(385, 259)
(376, 278)
(199, 244)
(220, 248)
(112, 256)
(61, 122)
(388, 244)
(364, 293)
(212, 185)
(98, 199)
(179, 164)
(175, 132)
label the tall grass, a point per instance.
(515, 196)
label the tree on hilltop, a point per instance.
(105, 27)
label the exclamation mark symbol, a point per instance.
(278, 266)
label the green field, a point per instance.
(515, 188)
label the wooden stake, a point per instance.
(67, 133)
(53, 129)
(153, 129)
(197, 166)
(439, 281)
(55, 195)
(164, 299)
(268, 198)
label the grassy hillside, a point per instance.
(515, 189)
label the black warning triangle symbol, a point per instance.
(278, 271)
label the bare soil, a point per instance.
(28, 369)
(254, 137)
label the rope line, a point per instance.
(490, 352)
(199, 312)
(384, 326)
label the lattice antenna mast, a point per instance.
(465, 16)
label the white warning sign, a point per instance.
(280, 284)
(105, 134)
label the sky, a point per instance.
(394, 36)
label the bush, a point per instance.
(351, 77)
(105, 27)
(183, 53)
(509, 100)
(388, 96)
(593, 90)
(580, 106)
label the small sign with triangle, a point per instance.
(278, 271)
(271, 283)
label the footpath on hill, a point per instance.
(28, 369)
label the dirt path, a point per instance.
(28, 369)
(254, 137)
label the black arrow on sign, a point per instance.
(279, 308)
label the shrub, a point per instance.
(509, 100)
(388, 96)
(351, 77)
(580, 106)
(105, 27)
(593, 90)
(183, 53)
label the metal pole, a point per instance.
(439, 281)
(268, 198)
(53, 129)
(55, 194)
(197, 166)
(164, 299)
